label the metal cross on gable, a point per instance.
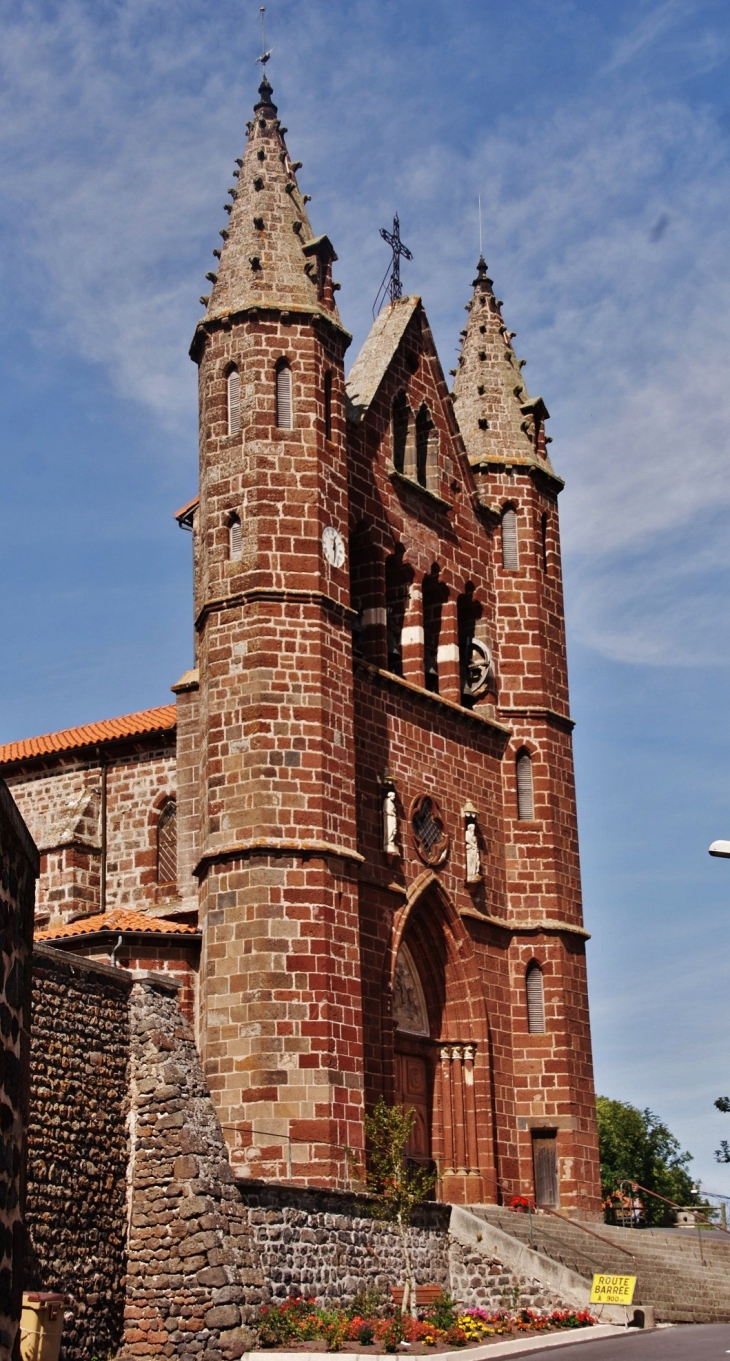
(392, 282)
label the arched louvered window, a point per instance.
(234, 402)
(510, 549)
(234, 538)
(167, 844)
(283, 396)
(525, 797)
(535, 989)
(328, 404)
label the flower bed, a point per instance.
(372, 1325)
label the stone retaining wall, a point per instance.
(77, 1146)
(193, 1286)
(18, 871)
(326, 1243)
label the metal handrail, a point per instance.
(576, 1222)
(636, 1186)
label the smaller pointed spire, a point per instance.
(497, 418)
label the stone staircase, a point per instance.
(686, 1280)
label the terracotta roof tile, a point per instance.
(91, 734)
(119, 919)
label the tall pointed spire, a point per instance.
(498, 420)
(269, 256)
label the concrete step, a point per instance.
(686, 1281)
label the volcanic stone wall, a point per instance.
(18, 872)
(328, 1243)
(193, 1287)
(77, 1156)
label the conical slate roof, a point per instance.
(498, 420)
(263, 260)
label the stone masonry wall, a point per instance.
(77, 1156)
(325, 1243)
(18, 871)
(62, 806)
(193, 1286)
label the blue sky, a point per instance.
(597, 133)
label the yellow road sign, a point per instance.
(613, 1289)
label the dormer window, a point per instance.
(283, 395)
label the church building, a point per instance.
(352, 837)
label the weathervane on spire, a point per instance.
(391, 281)
(264, 54)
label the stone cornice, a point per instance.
(217, 604)
(440, 701)
(549, 924)
(273, 846)
(206, 326)
(537, 711)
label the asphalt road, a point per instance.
(686, 1342)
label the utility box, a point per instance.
(41, 1325)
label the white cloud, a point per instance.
(114, 152)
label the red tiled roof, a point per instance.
(184, 515)
(91, 734)
(119, 919)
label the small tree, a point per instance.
(396, 1185)
(635, 1146)
(722, 1154)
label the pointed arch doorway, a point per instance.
(440, 1048)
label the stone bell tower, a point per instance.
(280, 978)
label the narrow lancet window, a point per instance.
(424, 428)
(234, 402)
(234, 538)
(510, 549)
(328, 404)
(535, 1000)
(283, 396)
(544, 542)
(401, 413)
(167, 845)
(525, 796)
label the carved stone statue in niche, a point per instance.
(390, 819)
(409, 1004)
(471, 845)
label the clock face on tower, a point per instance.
(333, 546)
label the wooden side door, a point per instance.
(545, 1166)
(413, 1090)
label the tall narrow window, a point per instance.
(543, 541)
(434, 593)
(283, 396)
(424, 426)
(510, 550)
(400, 431)
(234, 538)
(167, 844)
(398, 578)
(234, 402)
(328, 404)
(525, 798)
(535, 989)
